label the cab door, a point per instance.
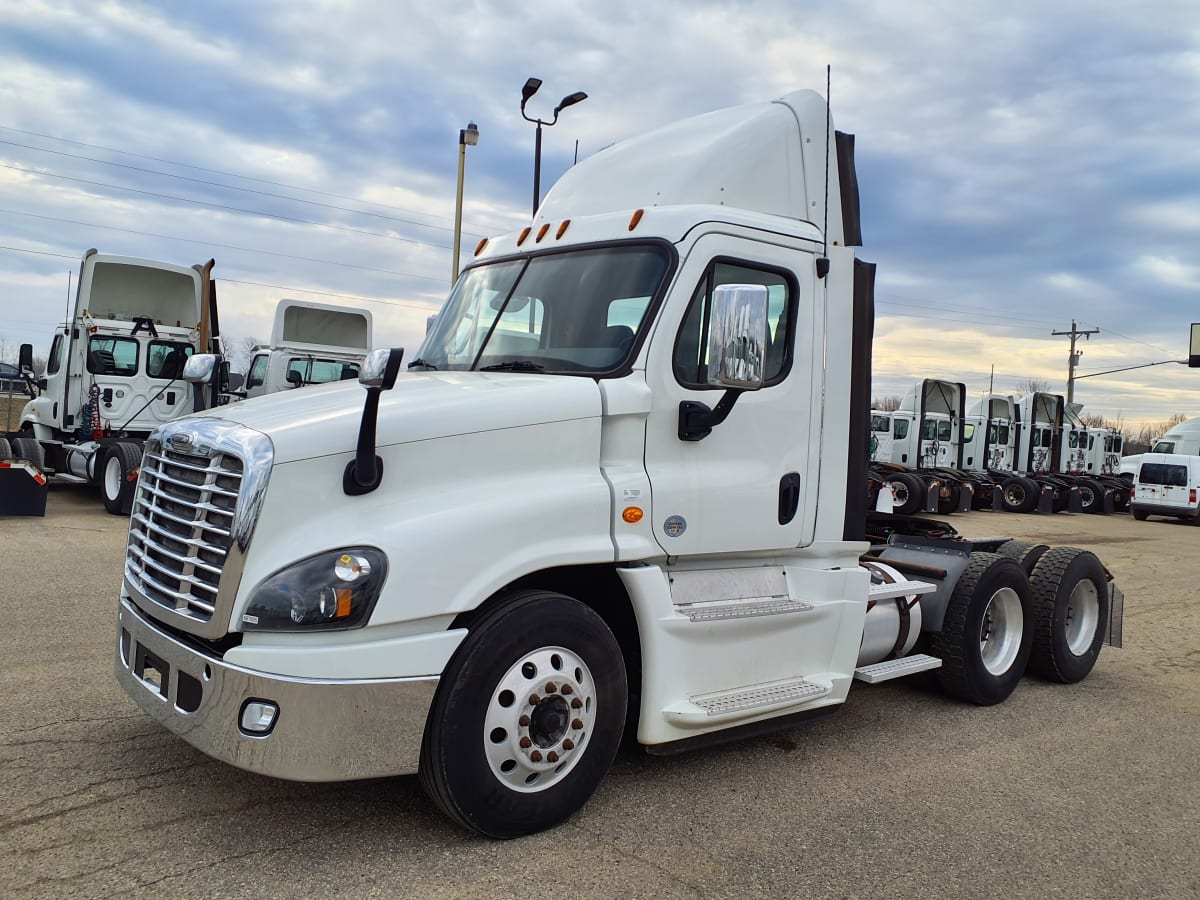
(750, 483)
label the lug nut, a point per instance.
(576, 703)
(552, 757)
(534, 699)
(536, 755)
(568, 744)
(551, 687)
(524, 721)
(526, 743)
(566, 690)
(577, 724)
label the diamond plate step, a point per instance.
(900, 589)
(704, 710)
(743, 609)
(896, 668)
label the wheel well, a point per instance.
(598, 587)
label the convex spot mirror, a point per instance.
(294, 378)
(737, 336)
(199, 368)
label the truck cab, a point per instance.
(114, 372)
(311, 343)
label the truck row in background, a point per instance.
(1005, 453)
(114, 372)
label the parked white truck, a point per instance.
(114, 372)
(311, 343)
(619, 489)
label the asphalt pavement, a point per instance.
(1090, 790)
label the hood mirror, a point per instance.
(364, 473)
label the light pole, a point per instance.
(531, 88)
(467, 137)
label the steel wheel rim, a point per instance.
(1014, 494)
(112, 478)
(1087, 495)
(539, 720)
(1000, 631)
(899, 492)
(1083, 617)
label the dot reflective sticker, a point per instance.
(675, 526)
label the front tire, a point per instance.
(1070, 593)
(986, 634)
(527, 718)
(116, 483)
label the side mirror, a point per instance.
(294, 378)
(199, 368)
(365, 472)
(737, 336)
(1194, 348)
(25, 359)
(234, 382)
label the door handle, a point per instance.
(789, 497)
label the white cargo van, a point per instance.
(1167, 484)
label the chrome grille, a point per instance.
(182, 527)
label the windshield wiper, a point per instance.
(516, 365)
(422, 364)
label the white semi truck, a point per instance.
(311, 343)
(114, 372)
(620, 489)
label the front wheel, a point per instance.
(120, 468)
(527, 718)
(1070, 601)
(986, 636)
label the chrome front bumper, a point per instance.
(325, 730)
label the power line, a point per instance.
(252, 212)
(172, 162)
(234, 187)
(207, 243)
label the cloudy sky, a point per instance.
(1022, 165)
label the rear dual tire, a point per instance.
(1020, 494)
(1070, 610)
(987, 634)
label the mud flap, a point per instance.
(966, 496)
(997, 498)
(22, 489)
(1110, 505)
(1046, 500)
(931, 495)
(1074, 500)
(1116, 615)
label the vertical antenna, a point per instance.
(67, 319)
(828, 116)
(576, 151)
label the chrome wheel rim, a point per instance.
(540, 719)
(1087, 495)
(1083, 617)
(1014, 494)
(112, 478)
(1000, 631)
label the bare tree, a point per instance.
(239, 350)
(1152, 431)
(886, 404)
(1033, 385)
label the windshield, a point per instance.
(576, 312)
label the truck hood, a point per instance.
(323, 420)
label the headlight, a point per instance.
(330, 591)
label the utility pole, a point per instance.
(1073, 360)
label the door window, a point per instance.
(691, 346)
(166, 359)
(54, 363)
(900, 429)
(258, 371)
(322, 371)
(881, 424)
(112, 356)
